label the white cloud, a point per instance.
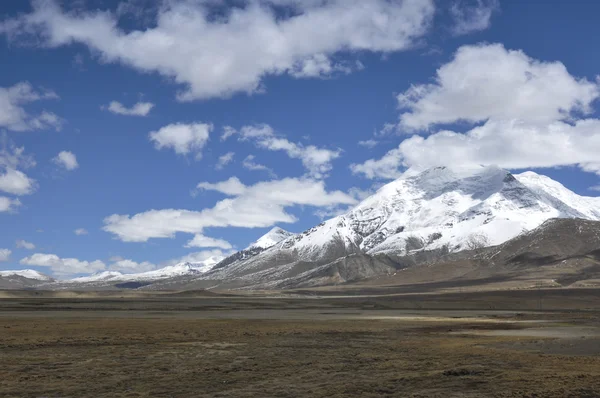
(13, 115)
(529, 109)
(251, 165)
(228, 131)
(5, 255)
(205, 241)
(80, 231)
(130, 266)
(66, 159)
(508, 144)
(139, 109)
(182, 138)
(336, 210)
(368, 143)
(8, 205)
(16, 182)
(224, 160)
(317, 161)
(320, 65)
(472, 15)
(386, 167)
(489, 82)
(23, 244)
(218, 57)
(387, 129)
(595, 188)
(260, 205)
(63, 266)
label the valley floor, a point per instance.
(523, 344)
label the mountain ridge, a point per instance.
(422, 215)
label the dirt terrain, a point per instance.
(542, 343)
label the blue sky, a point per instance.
(418, 83)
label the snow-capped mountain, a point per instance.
(171, 271)
(450, 209)
(443, 207)
(21, 279)
(99, 277)
(265, 242)
(26, 273)
(269, 239)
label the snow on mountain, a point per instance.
(180, 269)
(269, 239)
(171, 271)
(26, 273)
(450, 209)
(99, 277)
(555, 192)
(265, 242)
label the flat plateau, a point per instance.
(538, 343)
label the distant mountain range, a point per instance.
(428, 215)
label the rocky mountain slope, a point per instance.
(181, 271)
(440, 210)
(21, 279)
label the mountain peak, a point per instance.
(274, 236)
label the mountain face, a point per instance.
(21, 279)
(440, 209)
(111, 279)
(265, 242)
(445, 208)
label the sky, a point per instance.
(137, 134)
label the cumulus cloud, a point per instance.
(80, 231)
(8, 205)
(509, 144)
(529, 108)
(317, 161)
(14, 181)
(251, 165)
(472, 15)
(5, 255)
(490, 82)
(387, 167)
(66, 159)
(255, 206)
(63, 266)
(23, 244)
(200, 240)
(218, 57)
(224, 160)
(182, 138)
(130, 266)
(13, 115)
(139, 109)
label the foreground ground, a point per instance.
(473, 345)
